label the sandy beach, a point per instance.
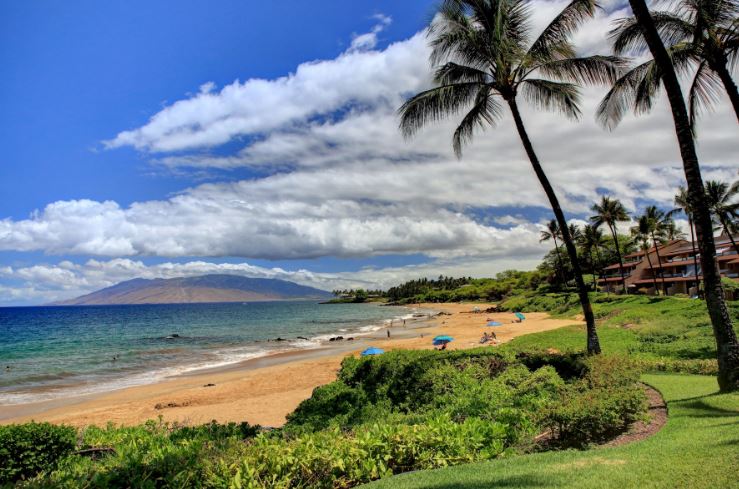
(265, 390)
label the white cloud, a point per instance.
(42, 283)
(368, 40)
(345, 183)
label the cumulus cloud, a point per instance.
(341, 181)
(64, 280)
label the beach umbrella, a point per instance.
(520, 316)
(372, 351)
(494, 323)
(443, 338)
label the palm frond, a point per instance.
(435, 104)
(561, 28)
(451, 72)
(637, 88)
(620, 98)
(704, 91)
(589, 70)
(486, 109)
(555, 96)
(627, 34)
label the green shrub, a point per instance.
(334, 402)
(600, 405)
(26, 449)
(330, 458)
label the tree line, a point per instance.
(600, 244)
(485, 62)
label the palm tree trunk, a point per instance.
(592, 263)
(651, 269)
(659, 262)
(695, 254)
(600, 267)
(620, 259)
(723, 73)
(593, 344)
(731, 238)
(559, 263)
(727, 346)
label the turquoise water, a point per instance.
(55, 352)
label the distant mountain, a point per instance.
(204, 288)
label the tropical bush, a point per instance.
(26, 449)
(401, 411)
(600, 405)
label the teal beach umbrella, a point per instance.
(372, 351)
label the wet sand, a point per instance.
(263, 391)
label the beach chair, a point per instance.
(519, 317)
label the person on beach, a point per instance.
(388, 334)
(493, 338)
(404, 323)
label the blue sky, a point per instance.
(164, 138)
(77, 73)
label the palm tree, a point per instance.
(720, 200)
(610, 212)
(727, 346)
(641, 235)
(553, 232)
(591, 239)
(672, 232)
(702, 34)
(682, 204)
(482, 56)
(654, 223)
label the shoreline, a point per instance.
(264, 390)
(260, 349)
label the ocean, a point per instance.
(56, 352)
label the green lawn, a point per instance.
(698, 448)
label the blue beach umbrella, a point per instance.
(494, 323)
(520, 316)
(442, 340)
(372, 351)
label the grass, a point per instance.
(698, 448)
(665, 333)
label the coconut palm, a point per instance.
(591, 239)
(553, 232)
(701, 34)
(727, 346)
(483, 59)
(725, 211)
(682, 204)
(654, 223)
(672, 232)
(610, 212)
(641, 235)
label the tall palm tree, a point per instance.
(553, 232)
(682, 204)
(725, 211)
(482, 56)
(591, 239)
(727, 346)
(702, 34)
(654, 223)
(610, 212)
(641, 234)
